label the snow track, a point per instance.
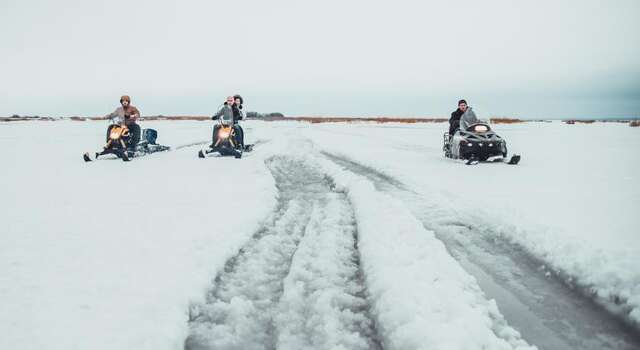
(296, 284)
(547, 311)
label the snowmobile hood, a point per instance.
(479, 131)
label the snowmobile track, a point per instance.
(549, 310)
(192, 144)
(276, 293)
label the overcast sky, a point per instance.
(409, 58)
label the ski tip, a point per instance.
(472, 161)
(515, 159)
(86, 157)
(200, 154)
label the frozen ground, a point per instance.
(350, 236)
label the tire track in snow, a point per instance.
(547, 311)
(297, 283)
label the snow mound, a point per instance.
(421, 297)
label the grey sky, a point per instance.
(517, 58)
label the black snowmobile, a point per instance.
(225, 142)
(119, 144)
(478, 143)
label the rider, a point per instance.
(238, 115)
(226, 112)
(454, 121)
(128, 115)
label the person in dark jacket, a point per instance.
(454, 121)
(237, 116)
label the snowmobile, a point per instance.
(225, 142)
(118, 143)
(478, 143)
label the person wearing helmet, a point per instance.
(226, 113)
(128, 115)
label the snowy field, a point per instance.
(326, 236)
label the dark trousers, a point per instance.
(453, 126)
(134, 138)
(239, 134)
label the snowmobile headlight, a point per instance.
(480, 128)
(223, 134)
(469, 144)
(491, 145)
(115, 134)
(480, 144)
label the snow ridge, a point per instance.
(322, 306)
(295, 285)
(422, 298)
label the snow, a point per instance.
(571, 201)
(279, 282)
(322, 305)
(113, 255)
(109, 255)
(422, 297)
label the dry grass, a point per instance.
(506, 120)
(179, 117)
(19, 119)
(380, 120)
(574, 121)
(318, 120)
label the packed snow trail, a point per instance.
(559, 206)
(547, 312)
(421, 297)
(297, 284)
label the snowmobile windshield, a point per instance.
(226, 121)
(470, 118)
(117, 119)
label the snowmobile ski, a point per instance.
(515, 159)
(117, 140)
(128, 155)
(223, 151)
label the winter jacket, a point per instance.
(454, 121)
(237, 114)
(129, 115)
(468, 118)
(226, 112)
